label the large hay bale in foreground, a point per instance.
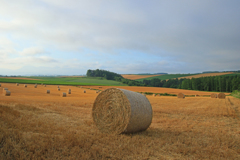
(121, 111)
(214, 95)
(64, 94)
(7, 93)
(48, 91)
(221, 96)
(181, 95)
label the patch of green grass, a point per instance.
(65, 81)
(166, 76)
(236, 94)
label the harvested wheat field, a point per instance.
(156, 90)
(36, 125)
(134, 76)
(206, 75)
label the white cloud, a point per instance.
(32, 51)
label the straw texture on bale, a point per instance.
(64, 94)
(119, 111)
(221, 96)
(7, 93)
(4, 89)
(48, 91)
(181, 95)
(214, 95)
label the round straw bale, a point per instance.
(4, 89)
(121, 111)
(84, 91)
(214, 95)
(221, 96)
(181, 95)
(154, 95)
(45, 85)
(69, 92)
(58, 89)
(25, 85)
(64, 94)
(7, 93)
(48, 91)
(17, 84)
(35, 86)
(97, 91)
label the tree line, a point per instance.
(214, 83)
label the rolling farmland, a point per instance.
(135, 76)
(37, 125)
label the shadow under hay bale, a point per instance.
(121, 111)
(214, 95)
(64, 94)
(48, 91)
(181, 95)
(7, 93)
(221, 96)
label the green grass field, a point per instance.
(166, 76)
(64, 81)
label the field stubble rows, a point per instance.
(40, 126)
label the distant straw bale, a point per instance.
(181, 95)
(214, 95)
(154, 95)
(25, 85)
(17, 84)
(221, 96)
(48, 91)
(64, 94)
(7, 93)
(58, 89)
(69, 92)
(45, 85)
(4, 89)
(121, 111)
(35, 86)
(84, 91)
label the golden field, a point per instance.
(36, 125)
(134, 76)
(206, 75)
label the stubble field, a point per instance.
(36, 125)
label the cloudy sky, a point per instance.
(68, 37)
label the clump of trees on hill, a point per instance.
(102, 73)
